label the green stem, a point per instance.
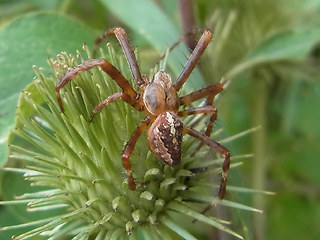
(260, 150)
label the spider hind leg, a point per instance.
(221, 150)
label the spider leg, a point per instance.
(202, 110)
(104, 103)
(111, 99)
(185, 37)
(129, 94)
(128, 150)
(198, 110)
(210, 92)
(193, 59)
(221, 150)
(130, 56)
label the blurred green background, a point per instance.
(268, 49)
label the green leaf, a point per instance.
(7, 218)
(14, 185)
(293, 44)
(28, 41)
(287, 44)
(145, 18)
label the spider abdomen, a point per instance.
(165, 138)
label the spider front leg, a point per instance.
(221, 150)
(130, 56)
(128, 150)
(104, 103)
(193, 59)
(129, 94)
(128, 52)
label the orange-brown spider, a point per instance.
(160, 101)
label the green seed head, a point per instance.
(79, 162)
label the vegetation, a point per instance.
(267, 49)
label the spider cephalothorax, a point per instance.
(160, 101)
(160, 95)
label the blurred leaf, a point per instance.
(306, 118)
(294, 218)
(6, 219)
(15, 185)
(285, 45)
(297, 157)
(147, 19)
(300, 122)
(46, 5)
(9, 9)
(26, 41)
(170, 7)
(312, 6)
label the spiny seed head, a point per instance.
(79, 164)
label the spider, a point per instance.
(160, 101)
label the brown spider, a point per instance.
(160, 101)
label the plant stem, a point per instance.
(186, 11)
(260, 151)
